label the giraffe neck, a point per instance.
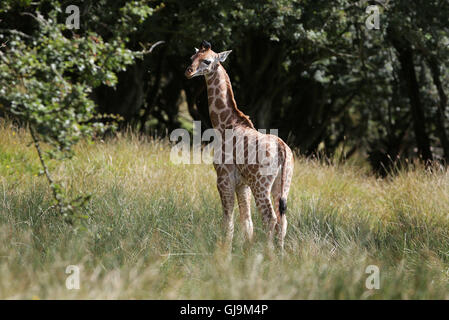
(223, 110)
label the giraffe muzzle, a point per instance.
(189, 73)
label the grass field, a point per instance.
(153, 230)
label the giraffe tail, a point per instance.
(283, 198)
(282, 205)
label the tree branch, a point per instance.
(45, 168)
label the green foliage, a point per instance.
(47, 76)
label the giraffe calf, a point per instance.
(249, 161)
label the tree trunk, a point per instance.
(405, 56)
(440, 117)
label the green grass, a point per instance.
(154, 230)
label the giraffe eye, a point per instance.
(207, 62)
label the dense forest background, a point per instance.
(312, 69)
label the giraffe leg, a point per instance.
(281, 225)
(263, 203)
(226, 190)
(244, 200)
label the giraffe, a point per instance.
(241, 178)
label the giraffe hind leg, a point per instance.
(264, 205)
(279, 207)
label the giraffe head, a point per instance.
(205, 61)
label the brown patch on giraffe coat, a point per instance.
(224, 115)
(214, 118)
(211, 78)
(220, 104)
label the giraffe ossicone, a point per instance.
(249, 161)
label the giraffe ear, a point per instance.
(223, 55)
(196, 50)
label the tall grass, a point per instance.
(154, 230)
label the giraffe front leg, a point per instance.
(226, 190)
(244, 200)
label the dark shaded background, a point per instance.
(312, 69)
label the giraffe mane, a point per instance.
(242, 118)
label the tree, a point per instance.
(312, 69)
(47, 74)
